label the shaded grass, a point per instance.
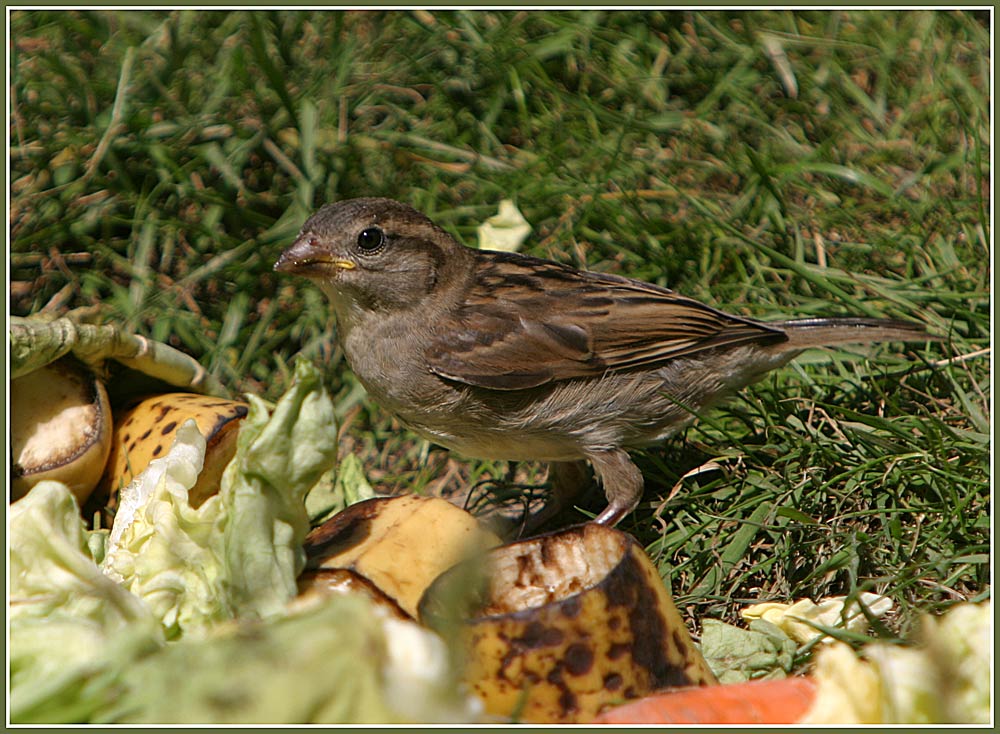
(770, 163)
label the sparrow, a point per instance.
(499, 355)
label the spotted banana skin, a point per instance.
(146, 430)
(576, 622)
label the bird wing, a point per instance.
(528, 322)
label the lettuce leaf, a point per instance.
(334, 662)
(944, 678)
(239, 553)
(278, 460)
(70, 625)
(735, 654)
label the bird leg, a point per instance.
(567, 479)
(622, 482)
(621, 479)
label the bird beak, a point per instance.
(308, 257)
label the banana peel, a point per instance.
(400, 544)
(60, 428)
(571, 623)
(146, 430)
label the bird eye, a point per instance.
(371, 239)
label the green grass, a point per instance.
(770, 163)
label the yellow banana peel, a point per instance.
(573, 622)
(146, 430)
(400, 544)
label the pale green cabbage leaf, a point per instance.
(944, 678)
(335, 662)
(70, 625)
(506, 230)
(239, 553)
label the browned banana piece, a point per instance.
(60, 428)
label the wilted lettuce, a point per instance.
(332, 494)
(239, 553)
(736, 654)
(338, 662)
(71, 627)
(943, 679)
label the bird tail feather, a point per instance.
(823, 332)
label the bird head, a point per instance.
(373, 254)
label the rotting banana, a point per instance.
(60, 428)
(400, 544)
(573, 622)
(146, 430)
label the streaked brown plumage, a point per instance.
(504, 356)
